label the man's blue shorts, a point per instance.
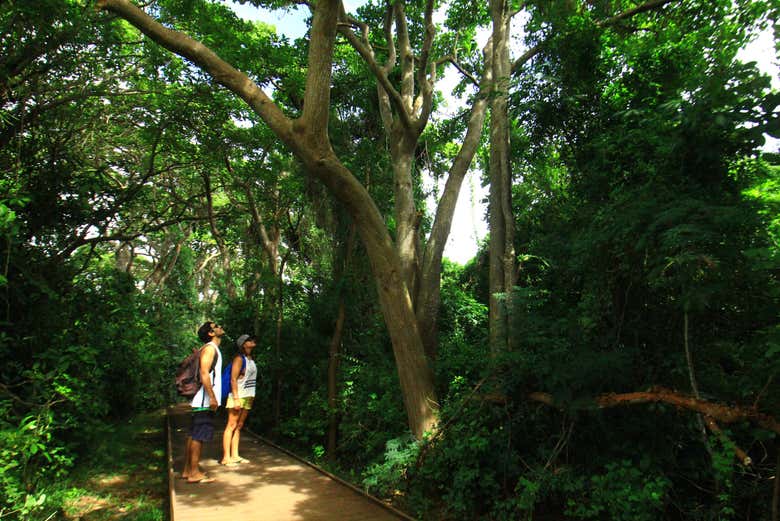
(202, 428)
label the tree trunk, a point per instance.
(225, 257)
(269, 239)
(171, 262)
(429, 292)
(501, 223)
(402, 147)
(333, 368)
(205, 282)
(694, 384)
(405, 114)
(415, 375)
(279, 305)
(125, 256)
(335, 347)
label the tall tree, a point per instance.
(501, 221)
(307, 137)
(406, 106)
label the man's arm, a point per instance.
(207, 354)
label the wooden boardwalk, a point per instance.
(273, 486)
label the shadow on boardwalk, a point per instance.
(273, 486)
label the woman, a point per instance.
(243, 380)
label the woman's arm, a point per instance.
(235, 372)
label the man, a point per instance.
(205, 402)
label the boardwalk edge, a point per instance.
(171, 477)
(332, 476)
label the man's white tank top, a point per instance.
(201, 398)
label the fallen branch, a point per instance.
(739, 453)
(716, 411)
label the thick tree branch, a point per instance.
(424, 101)
(425, 79)
(526, 57)
(445, 210)
(430, 32)
(393, 96)
(25, 115)
(406, 57)
(123, 236)
(206, 261)
(428, 298)
(454, 61)
(387, 28)
(647, 6)
(222, 72)
(316, 98)
(4, 389)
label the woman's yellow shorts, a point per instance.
(246, 402)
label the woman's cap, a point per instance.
(240, 341)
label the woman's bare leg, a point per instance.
(229, 434)
(237, 436)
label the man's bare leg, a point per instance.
(187, 453)
(195, 474)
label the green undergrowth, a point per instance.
(124, 478)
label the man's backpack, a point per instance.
(187, 378)
(226, 377)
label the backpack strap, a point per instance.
(214, 360)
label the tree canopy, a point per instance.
(611, 352)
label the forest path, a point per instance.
(273, 486)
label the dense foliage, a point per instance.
(138, 199)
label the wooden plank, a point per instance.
(273, 486)
(398, 513)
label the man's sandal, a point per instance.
(204, 479)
